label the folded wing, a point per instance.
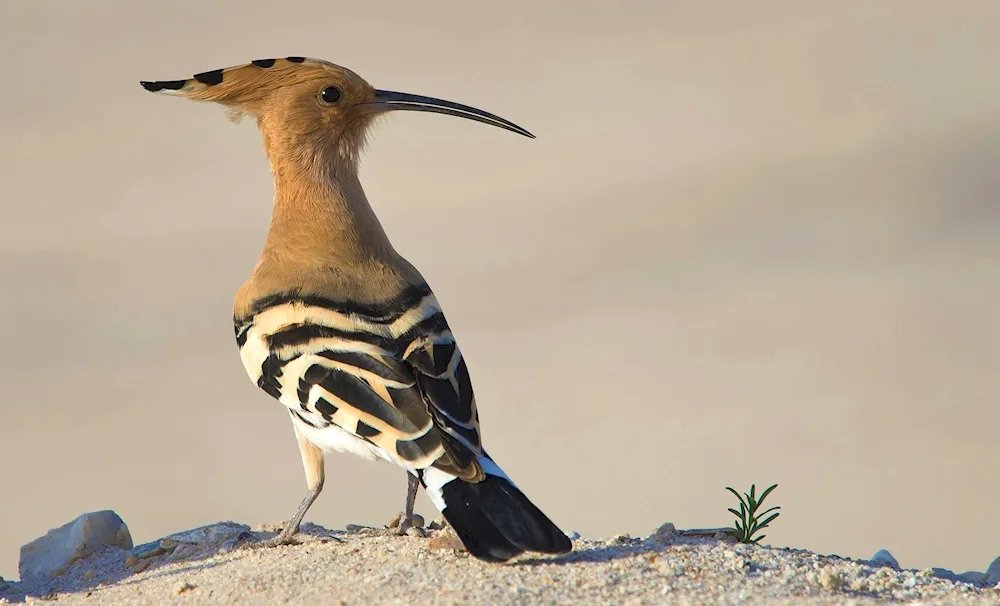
(396, 380)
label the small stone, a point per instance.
(708, 533)
(830, 579)
(89, 575)
(619, 539)
(910, 582)
(993, 572)
(394, 522)
(355, 527)
(666, 531)
(437, 524)
(181, 587)
(417, 520)
(416, 531)
(168, 544)
(131, 561)
(573, 536)
(883, 557)
(944, 573)
(152, 553)
(75, 540)
(445, 542)
(142, 565)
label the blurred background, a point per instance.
(753, 243)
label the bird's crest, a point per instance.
(244, 87)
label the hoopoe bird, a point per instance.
(340, 328)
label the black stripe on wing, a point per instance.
(382, 312)
(384, 367)
(300, 334)
(443, 378)
(271, 370)
(405, 412)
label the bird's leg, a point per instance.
(406, 518)
(411, 499)
(312, 461)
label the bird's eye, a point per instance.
(330, 95)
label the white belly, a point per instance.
(334, 439)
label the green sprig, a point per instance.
(748, 521)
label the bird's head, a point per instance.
(302, 105)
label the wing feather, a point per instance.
(397, 381)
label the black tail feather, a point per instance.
(496, 522)
(480, 536)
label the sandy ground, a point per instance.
(369, 566)
(753, 242)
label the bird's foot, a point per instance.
(400, 523)
(283, 538)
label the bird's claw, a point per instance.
(281, 540)
(400, 523)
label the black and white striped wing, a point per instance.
(431, 353)
(392, 378)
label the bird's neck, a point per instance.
(321, 214)
(324, 238)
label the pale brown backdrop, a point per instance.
(753, 242)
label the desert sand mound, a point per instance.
(212, 565)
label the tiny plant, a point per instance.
(748, 521)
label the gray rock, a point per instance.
(229, 545)
(973, 576)
(208, 538)
(213, 534)
(76, 540)
(993, 572)
(882, 556)
(665, 531)
(944, 573)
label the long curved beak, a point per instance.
(387, 100)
